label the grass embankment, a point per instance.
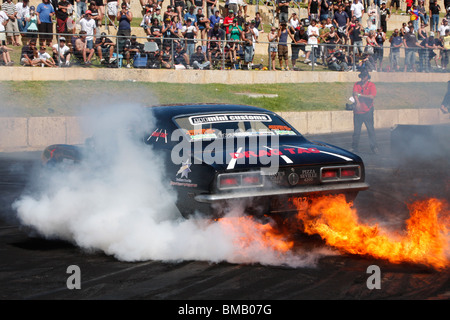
(53, 98)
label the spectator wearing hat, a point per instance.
(158, 15)
(228, 22)
(233, 43)
(364, 93)
(104, 47)
(429, 45)
(233, 6)
(45, 59)
(170, 34)
(61, 53)
(385, 14)
(146, 22)
(45, 13)
(32, 23)
(88, 24)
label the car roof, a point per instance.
(174, 110)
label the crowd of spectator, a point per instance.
(196, 34)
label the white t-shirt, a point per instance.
(62, 50)
(357, 9)
(89, 27)
(190, 29)
(442, 29)
(21, 10)
(312, 39)
(43, 56)
(3, 18)
(294, 23)
(255, 37)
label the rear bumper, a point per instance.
(304, 190)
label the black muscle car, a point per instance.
(219, 155)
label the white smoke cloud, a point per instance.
(118, 201)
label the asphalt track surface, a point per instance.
(35, 268)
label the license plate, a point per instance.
(285, 204)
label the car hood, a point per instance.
(289, 151)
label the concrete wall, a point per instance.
(206, 76)
(27, 134)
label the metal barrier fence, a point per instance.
(328, 55)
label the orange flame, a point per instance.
(253, 233)
(425, 240)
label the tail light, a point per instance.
(239, 180)
(340, 173)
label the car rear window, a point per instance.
(230, 125)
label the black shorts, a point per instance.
(44, 29)
(295, 51)
(99, 2)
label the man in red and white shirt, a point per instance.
(364, 92)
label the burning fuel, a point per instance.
(424, 241)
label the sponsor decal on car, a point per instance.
(183, 180)
(158, 133)
(232, 117)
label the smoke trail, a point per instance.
(118, 202)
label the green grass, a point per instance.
(72, 98)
